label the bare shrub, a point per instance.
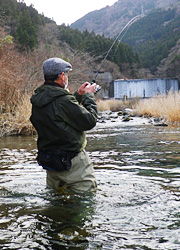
(10, 80)
(17, 123)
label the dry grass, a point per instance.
(17, 122)
(164, 106)
(115, 105)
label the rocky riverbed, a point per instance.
(128, 117)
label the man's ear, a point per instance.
(62, 76)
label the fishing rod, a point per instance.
(98, 87)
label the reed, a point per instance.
(164, 106)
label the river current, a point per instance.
(136, 204)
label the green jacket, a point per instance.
(61, 118)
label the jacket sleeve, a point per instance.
(81, 117)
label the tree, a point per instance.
(26, 34)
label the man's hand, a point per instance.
(86, 88)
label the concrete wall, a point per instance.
(143, 87)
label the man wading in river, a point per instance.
(61, 120)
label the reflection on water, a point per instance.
(136, 205)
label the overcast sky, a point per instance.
(67, 11)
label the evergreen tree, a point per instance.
(25, 33)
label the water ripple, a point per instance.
(136, 205)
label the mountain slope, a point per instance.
(170, 66)
(111, 19)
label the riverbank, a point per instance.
(164, 107)
(162, 110)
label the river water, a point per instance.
(136, 204)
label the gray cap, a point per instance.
(55, 66)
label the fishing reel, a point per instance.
(97, 88)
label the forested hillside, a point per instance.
(97, 46)
(153, 37)
(22, 22)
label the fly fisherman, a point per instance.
(61, 119)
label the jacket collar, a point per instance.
(55, 84)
